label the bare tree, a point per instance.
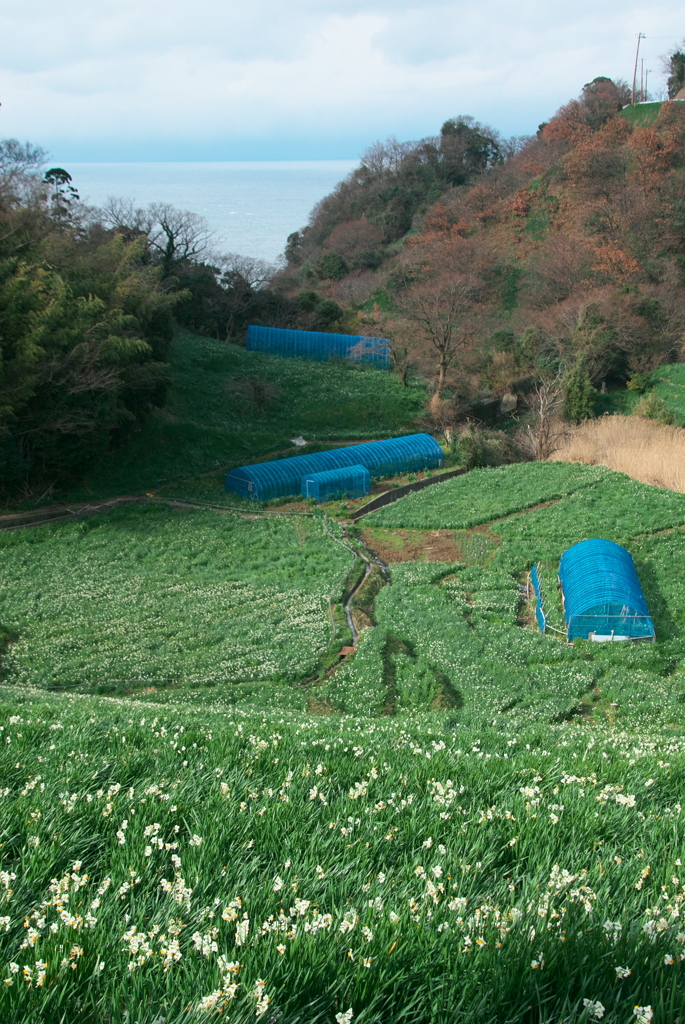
(173, 235)
(386, 157)
(400, 336)
(439, 310)
(250, 271)
(20, 164)
(240, 277)
(547, 431)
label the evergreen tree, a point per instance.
(579, 399)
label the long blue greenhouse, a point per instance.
(319, 346)
(353, 481)
(283, 477)
(602, 596)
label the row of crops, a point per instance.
(150, 596)
(462, 635)
(478, 824)
(165, 863)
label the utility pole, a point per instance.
(648, 72)
(640, 36)
(642, 79)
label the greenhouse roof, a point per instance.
(319, 345)
(282, 477)
(598, 574)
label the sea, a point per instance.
(251, 207)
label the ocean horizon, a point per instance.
(251, 206)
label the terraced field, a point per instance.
(464, 821)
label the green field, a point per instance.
(669, 385)
(155, 597)
(466, 821)
(487, 494)
(228, 406)
(459, 634)
(641, 115)
(168, 864)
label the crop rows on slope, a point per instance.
(486, 494)
(175, 863)
(459, 635)
(151, 596)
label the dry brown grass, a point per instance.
(644, 449)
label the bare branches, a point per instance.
(247, 271)
(439, 311)
(547, 432)
(173, 235)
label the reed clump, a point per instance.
(645, 449)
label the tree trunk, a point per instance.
(434, 404)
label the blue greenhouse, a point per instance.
(601, 593)
(319, 346)
(283, 477)
(353, 481)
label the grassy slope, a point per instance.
(456, 865)
(150, 597)
(642, 114)
(670, 386)
(211, 419)
(453, 634)
(412, 869)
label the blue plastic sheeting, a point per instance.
(283, 477)
(539, 607)
(319, 346)
(353, 481)
(602, 593)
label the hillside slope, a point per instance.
(469, 821)
(567, 254)
(228, 406)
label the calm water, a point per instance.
(252, 207)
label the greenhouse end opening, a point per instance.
(602, 598)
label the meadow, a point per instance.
(463, 635)
(466, 821)
(149, 597)
(228, 406)
(174, 864)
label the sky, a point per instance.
(302, 79)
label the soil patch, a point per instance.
(413, 545)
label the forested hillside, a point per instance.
(487, 262)
(542, 269)
(90, 300)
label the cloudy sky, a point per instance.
(302, 79)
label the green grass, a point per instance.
(641, 115)
(229, 406)
(620, 402)
(459, 633)
(154, 597)
(483, 827)
(486, 494)
(669, 385)
(411, 869)
(667, 382)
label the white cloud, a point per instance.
(131, 74)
